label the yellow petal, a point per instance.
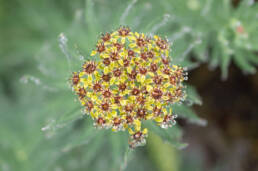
(156, 37)
(132, 45)
(93, 114)
(165, 97)
(120, 61)
(137, 124)
(148, 81)
(94, 97)
(83, 102)
(123, 102)
(149, 46)
(89, 79)
(125, 125)
(114, 129)
(114, 106)
(130, 131)
(129, 69)
(137, 50)
(112, 81)
(149, 107)
(112, 65)
(84, 80)
(81, 74)
(148, 117)
(123, 40)
(106, 70)
(114, 33)
(113, 113)
(158, 104)
(131, 98)
(137, 34)
(170, 111)
(149, 88)
(138, 78)
(145, 131)
(94, 52)
(166, 85)
(167, 53)
(158, 119)
(142, 78)
(151, 74)
(131, 38)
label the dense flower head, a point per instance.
(130, 80)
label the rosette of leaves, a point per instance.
(227, 31)
(42, 125)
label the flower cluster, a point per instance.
(131, 81)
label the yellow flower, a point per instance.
(131, 82)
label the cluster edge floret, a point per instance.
(132, 81)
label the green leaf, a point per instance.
(225, 61)
(171, 135)
(188, 113)
(252, 58)
(192, 95)
(242, 62)
(119, 145)
(63, 120)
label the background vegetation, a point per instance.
(42, 127)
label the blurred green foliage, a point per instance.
(41, 126)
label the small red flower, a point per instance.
(133, 74)
(129, 119)
(106, 61)
(130, 53)
(126, 62)
(162, 44)
(122, 87)
(118, 46)
(165, 61)
(114, 56)
(135, 91)
(166, 71)
(156, 111)
(150, 54)
(81, 92)
(143, 70)
(101, 121)
(97, 87)
(117, 72)
(116, 121)
(153, 67)
(101, 48)
(137, 135)
(107, 94)
(140, 42)
(89, 105)
(105, 106)
(140, 100)
(173, 80)
(157, 93)
(75, 78)
(106, 37)
(89, 67)
(144, 90)
(117, 99)
(124, 31)
(106, 77)
(157, 79)
(129, 108)
(141, 113)
(144, 56)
